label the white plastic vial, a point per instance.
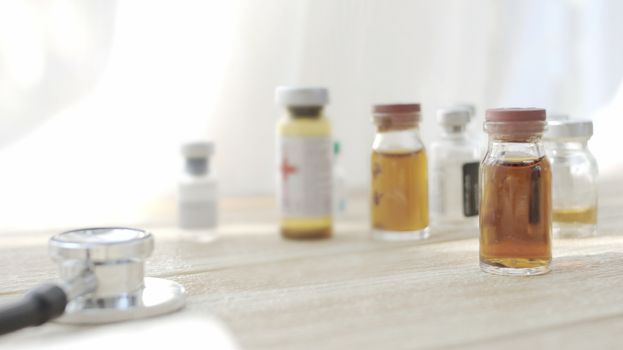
(454, 164)
(197, 191)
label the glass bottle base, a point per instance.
(309, 234)
(565, 230)
(460, 223)
(199, 235)
(385, 235)
(514, 271)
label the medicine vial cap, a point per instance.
(561, 129)
(455, 116)
(470, 108)
(300, 96)
(197, 157)
(515, 114)
(397, 113)
(515, 122)
(198, 149)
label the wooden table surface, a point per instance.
(351, 292)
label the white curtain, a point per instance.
(96, 97)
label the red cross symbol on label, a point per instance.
(287, 169)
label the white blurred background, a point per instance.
(97, 96)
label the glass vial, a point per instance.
(516, 203)
(574, 172)
(455, 162)
(399, 198)
(197, 191)
(304, 163)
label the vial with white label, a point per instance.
(454, 164)
(197, 191)
(304, 163)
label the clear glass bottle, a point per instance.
(454, 163)
(197, 192)
(574, 171)
(516, 203)
(399, 198)
(304, 159)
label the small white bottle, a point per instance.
(197, 191)
(454, 164)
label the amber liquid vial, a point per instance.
(516, 220)
(399, 191)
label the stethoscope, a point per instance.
(102, 281)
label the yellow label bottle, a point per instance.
(304, 164)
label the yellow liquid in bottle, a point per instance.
(399, 191)
(575, 215)
(305, 227)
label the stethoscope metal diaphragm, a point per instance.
(108, 263)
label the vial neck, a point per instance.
(395, 139)
(305, 112)
(531, 148)
(197, 166)
(453, 131)
(394, 128)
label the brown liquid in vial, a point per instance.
(515, 214)
(399, 191)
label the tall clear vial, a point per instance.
(516, 200)
(454, 164)
(197, 203)
(399, 198)
(575, 173)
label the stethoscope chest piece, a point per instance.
(109, 264)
